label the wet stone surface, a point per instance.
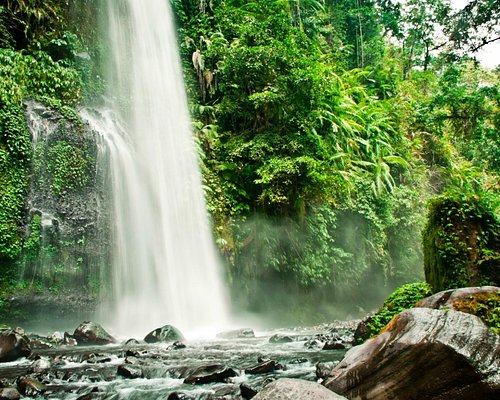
(144, 371)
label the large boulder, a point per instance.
(89, 333)
(13, 345)
(423, 354)
(483, 302)
(293, 389)
(458, 299)
(165, 334)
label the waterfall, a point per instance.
(165, 268)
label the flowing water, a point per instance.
(92, 372)
(165, 267)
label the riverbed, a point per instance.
(161, 371)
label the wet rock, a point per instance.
(423, 354)
(209, 374)
(362, 331)
(345, 336)
(299, 360)
(56, 337)
(294, 389)
(40, 365)
(178, 396)
(90, 394)
(334, 345)
(132, 353)
(9, 393)
(69, 340)
(277, 338)
(323, 370)
(131, 342)
(263, 368)
(312, 344)
(131, 360)
(130, 372)
(244, 333)
(459, 299)
(225, 391)
(39, 342)
(13, 345)
(30, 387)
(98, 359)
(247, 392)
(89, 333)
(165, 334)
(177, 346)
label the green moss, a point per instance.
(401, 299)
(22, 76)
(15, 152)
(461, 245)
(32, 244)
(484, 306)
(68, 166)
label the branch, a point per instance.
(484, 43)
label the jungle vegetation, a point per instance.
(324, 129)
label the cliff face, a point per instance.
(461, 245)
(66, 225)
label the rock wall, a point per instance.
(66, 223)
(461, 245)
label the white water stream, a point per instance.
(165, 268)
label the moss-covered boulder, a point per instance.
(483, 302)
(461, 244)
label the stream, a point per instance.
(160, 371)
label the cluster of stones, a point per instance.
(432, 352)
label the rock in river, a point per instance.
(423, 354)
(13, 345)
(263, 368)
(209, 374)
(92, 333)
(243, 333)
(9, 393)
(295, 389)
(130, 372)
(165, 334)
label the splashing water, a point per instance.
(165, 267)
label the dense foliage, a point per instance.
(462, 245)
(403, 298)
(37, 61)
(321, 142)
(324, 127)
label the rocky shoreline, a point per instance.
(436, 350)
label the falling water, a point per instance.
(165, 268)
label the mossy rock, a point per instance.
(483, 302)
(461, 244)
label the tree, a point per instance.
(475, 25)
